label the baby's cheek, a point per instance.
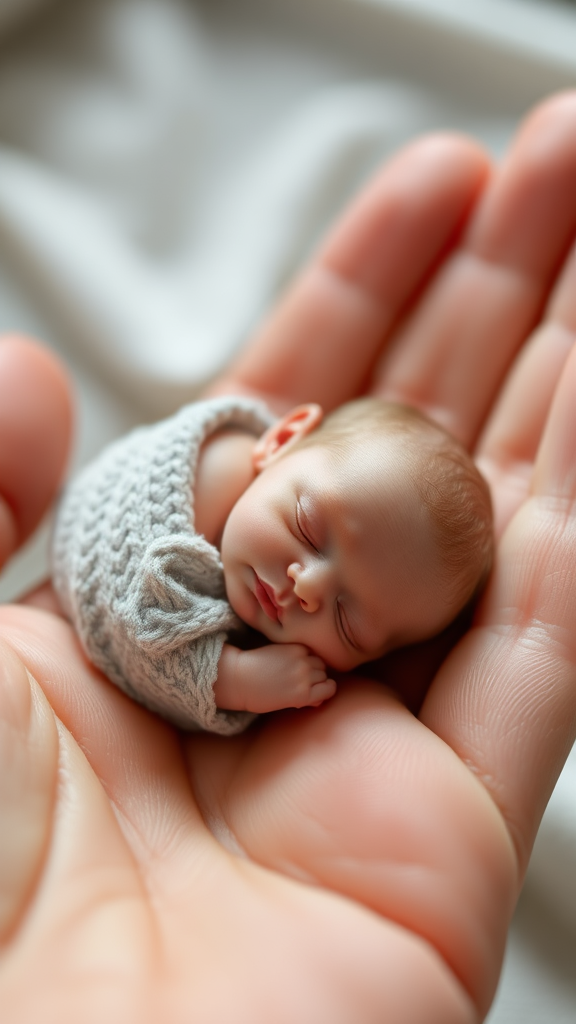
(331, 650)
(235, 596)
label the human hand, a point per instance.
(142, 870)
(271, 678)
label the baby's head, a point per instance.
(362, 531)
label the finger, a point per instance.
(35, 426)
(322, 340)
(43, 597)
(555, 471)
(507, 450)
(28, 772)
(506, 699)
(562, 307)
(453, 352)
(314, 662)
(508, 446)
(320, 692)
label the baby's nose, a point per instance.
(307, 587)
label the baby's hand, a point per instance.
(270, 678)
(289, 676)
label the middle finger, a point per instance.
(453, 351)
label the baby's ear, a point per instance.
(280, 437)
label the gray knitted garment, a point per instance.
(144, 591)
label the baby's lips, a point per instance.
(266, 600)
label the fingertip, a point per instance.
(559, 107)
(548, 134)
(407, 217)
(322, 691)
(463, 152)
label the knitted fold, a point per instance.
(143, 590)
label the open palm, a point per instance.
(353, 863)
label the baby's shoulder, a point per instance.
(223, 472)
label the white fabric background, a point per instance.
(165, 166)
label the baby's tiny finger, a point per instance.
(316, 664)
(320, 692)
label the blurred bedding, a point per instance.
(165, 167)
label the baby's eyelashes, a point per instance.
(304, 528)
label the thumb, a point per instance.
(35, 430)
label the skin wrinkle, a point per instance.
(66, 808)
(515, 428)
(519, 276)
(562, 506)
(318, 879)
(472, 749)
(167, 834)
(18, 923)
(325, 290)
(414, 869)
(374, 301)
(508, 446)
(141, 837)
(219, 827)
(411, 873)
(372, 306)
(538, 149)
(514, 830)
(510, 294)
(323, 879)
(516, 472)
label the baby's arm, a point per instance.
(270, 678)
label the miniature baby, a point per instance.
(336, 538)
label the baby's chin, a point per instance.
(272, 631)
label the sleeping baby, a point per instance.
(336, 538)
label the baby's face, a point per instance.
(336, 554)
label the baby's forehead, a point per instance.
(370, 464)
(370, 486)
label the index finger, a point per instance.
(453, 352)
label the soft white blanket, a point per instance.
(166, 165)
